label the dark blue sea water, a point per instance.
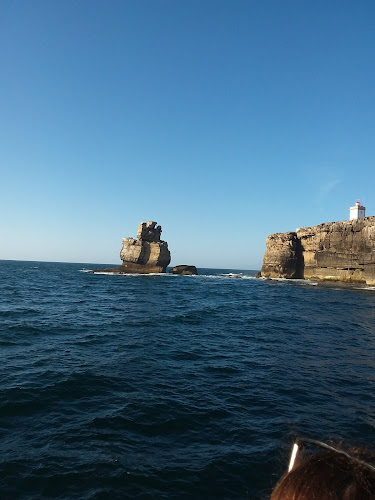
(173, 387)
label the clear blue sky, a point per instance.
(224, 121)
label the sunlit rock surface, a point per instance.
(145, 255)
(336, 251)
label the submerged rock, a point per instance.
(184, 270)
(335, 251)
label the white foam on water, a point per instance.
(125, 274)
(226, 276)
(291, 280)
(98, 272)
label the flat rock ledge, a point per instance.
(184, 270)
(130, 268)
(333, 251)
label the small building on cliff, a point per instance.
(357, 212)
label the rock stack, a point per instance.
(146, 254)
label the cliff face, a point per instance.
(282, 257)
(341, 251)
(147, 254)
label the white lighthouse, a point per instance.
(357, 212)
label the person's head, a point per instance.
(332, 474)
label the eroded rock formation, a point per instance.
(145, 255)
(282, 257)
(338, 251)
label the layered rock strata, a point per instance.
(148, 251)
(336, 251)
(145, 255)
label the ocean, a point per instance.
(174, 387)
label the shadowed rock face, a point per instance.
(339, 251)
(184, 270)
(282, 257)
(149, 231)
(148, 254)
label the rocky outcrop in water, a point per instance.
(184, 270)
(336, 251)
(147, 254)
(144, 255)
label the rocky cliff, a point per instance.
(340, 251)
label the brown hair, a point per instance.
(329, 476)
